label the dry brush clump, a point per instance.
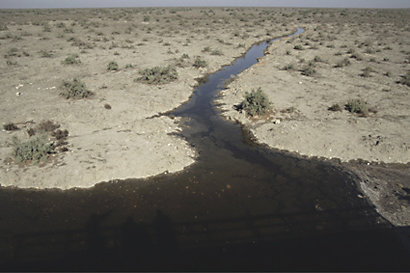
(75, 89)
(158, 75)
(45, 139)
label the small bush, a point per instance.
(356, 56)
(255, 103)
(199, 63)
(46, 54)
(406, 79)
(35, 150)
(158, 75)
(75, 89)
(357, 106)
(47, 126)
(298, 47)
(288, 67)
(343, 63)
(318, 59)
(10, 126)
(216, 52)
(367, 71)
(73, 59)
(206, 49)
(112, 66)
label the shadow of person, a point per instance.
(136, 242)
(166, 243)
(96, 245)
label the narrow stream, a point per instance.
(240, 207)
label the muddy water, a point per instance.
(240, 207)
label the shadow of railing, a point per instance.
(294, 241)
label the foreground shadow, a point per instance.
(238, 244)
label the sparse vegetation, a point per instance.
(255, 103)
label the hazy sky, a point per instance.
(166, 3)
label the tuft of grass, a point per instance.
(298, 47)
(75, 89)
(255, 103)
(357, 106)
(158, 75)
(112, 66)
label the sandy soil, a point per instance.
(130, 140)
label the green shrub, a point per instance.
(112, 66)
(73, 59)
(298, 47)
(406, 79)
(158, 75)
(357, 106)
(35, 149)
(75, 89)
(199, 63)
(255, 103)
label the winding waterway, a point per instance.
(240, 207)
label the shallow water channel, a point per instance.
(241, 207)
